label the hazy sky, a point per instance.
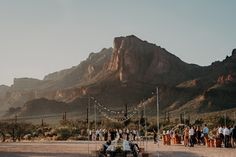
(38, 37)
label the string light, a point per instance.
(140, 105)
(108, 111)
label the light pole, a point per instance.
(139, 124)
(225, 119)
(184, 118)
(158, 115)
(88, 122)
(145, 127)
(234, 118)
(95, 120)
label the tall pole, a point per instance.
(95, 120)
(139, 125)
(225, 119)
(145, 127)
(184, 118)
(87, 115)
(234, 118)
(158, 115)
(15, 119)
(88, 122)
(126, 110)
(42, 123)
(225, 126)
(14, 129)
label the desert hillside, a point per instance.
(128, 73)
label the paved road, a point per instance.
(80, 149)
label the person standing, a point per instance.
(205, 132)
(198, 135)
(154, 136)
(192, 137)
(226, 134)
(90, 135)
(186, 136)
(134, 132)
(113, 134)
(234, 136)
(127, 134)
(231, 135)
(105, 135)
(220, 132)
(97, 135)
(120, 133)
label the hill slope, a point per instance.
(128, 74)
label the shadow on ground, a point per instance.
(174, 154)
(30, 154)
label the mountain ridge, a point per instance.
(128, 73)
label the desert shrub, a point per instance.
(222, 121)
(75, 131)
(63, 133)
(199, 122)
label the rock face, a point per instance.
(127, 74)
(225, 79)
(26, 83)
(87, 71)
(3, 90)
(43, 106)
(137, 59)
(57, 85)
(58, 75)
(234, 52)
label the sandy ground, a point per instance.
(80, 149)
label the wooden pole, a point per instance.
(65, 116)
(15, 119)
(158, 114)
(88, 123)
(234, 118)
(95, 122)
(139, 126)
(145, 127)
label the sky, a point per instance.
(38, 37)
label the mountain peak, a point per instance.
(123, 42)
(134, 58)
(128, 36)
(234, 52)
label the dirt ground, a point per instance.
(81, 149)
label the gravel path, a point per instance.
(80, 149)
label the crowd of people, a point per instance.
(112, 134)
(191, 135)
(225, 135)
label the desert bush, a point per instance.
(224, 121)
(63, 133)
(199, 122)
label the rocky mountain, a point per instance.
(59, 74)
(127, 74)
(55, 85)
(26, 84)
(135, 59)
(213, 90)
(3, 90)
(87, 71)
